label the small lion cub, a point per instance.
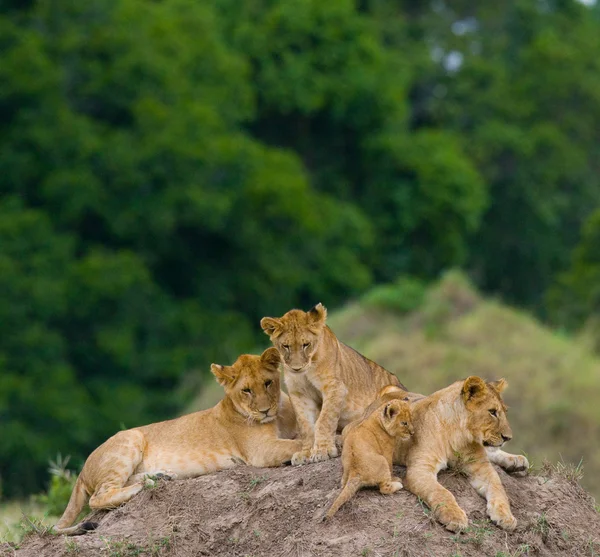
(368, 450)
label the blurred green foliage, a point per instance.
(172, 171)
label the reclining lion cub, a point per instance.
(329, 383)
(368, 450)
(454, 426)
(242, 427)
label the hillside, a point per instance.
(432, 337)
(277, 512)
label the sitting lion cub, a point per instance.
(368, 449)
(242, 427)
(454, 427)
(329, 383)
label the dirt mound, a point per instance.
(271, 512)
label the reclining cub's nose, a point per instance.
(265, 412)
(506, 437)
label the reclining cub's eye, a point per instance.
(493, 412)
(268, 383)
(286, 346)
(247, 391)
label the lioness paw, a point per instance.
(301, 457)
(323, 452)
(502, 517)
(519, 466)
(454, 519)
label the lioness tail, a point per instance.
(78, 499)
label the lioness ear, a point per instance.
(270, 325)
(499, 385)
(318, 314)
(271, 358)
(391, 410)
(472, 387)
(224, 374)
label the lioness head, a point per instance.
(252, 384)
(296, 335)
(396, 418)
(487, 419)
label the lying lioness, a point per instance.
(240, 428)
(368, 449)
(453, 427)
(330, 384)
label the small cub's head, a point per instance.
(486, 410)
(296, 335)
(252, 384)
(396, 418)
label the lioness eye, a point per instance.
(247, 391)
(268, 383)
(286, 346)
(404, 423)
(493, 412)
(306, 345)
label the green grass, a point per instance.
(18, 518)
(554, 380)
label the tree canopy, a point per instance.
(172, 171)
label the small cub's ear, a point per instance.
(270, 325)
(224, 374)
(270, 358)
(318, 314)
(499, 386)
(472, 387)
(391, 410)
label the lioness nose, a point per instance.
(506, 437)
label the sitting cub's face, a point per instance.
(396, 419)
(252, 384)
(487, 419)
(296, 335)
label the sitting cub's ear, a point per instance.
(270, 358)
(318, 314)
(270, 325)
(472, 387)
(224, 374)
(391, 410)
(499, 385)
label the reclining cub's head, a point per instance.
(487, 419)
(396, 418)
(252, 384)
(296, 335)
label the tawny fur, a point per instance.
(240, 428)
(329, 383)
(368, 450)
(462, 426)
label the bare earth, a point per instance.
(250, 512)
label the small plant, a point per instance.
(474, 534)
(521, 550)
(120, 548)
(31, 525)
(542, 526)
(569, 471)
(366, 551)
(459, 463)
(72, 547)
(256, 481)
(62, 481)
(257, 533)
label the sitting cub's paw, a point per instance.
(387, 488)
(301, 457)
(323, 452)
(454, 519)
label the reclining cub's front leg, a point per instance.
(327, 423)
(275, 452)
(512, 463)
(486, 482)
(422, 481)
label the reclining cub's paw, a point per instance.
(387, 488)
(454, 519)
(519, 466)
(504, 520)
(301, 457)
(323, 452)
